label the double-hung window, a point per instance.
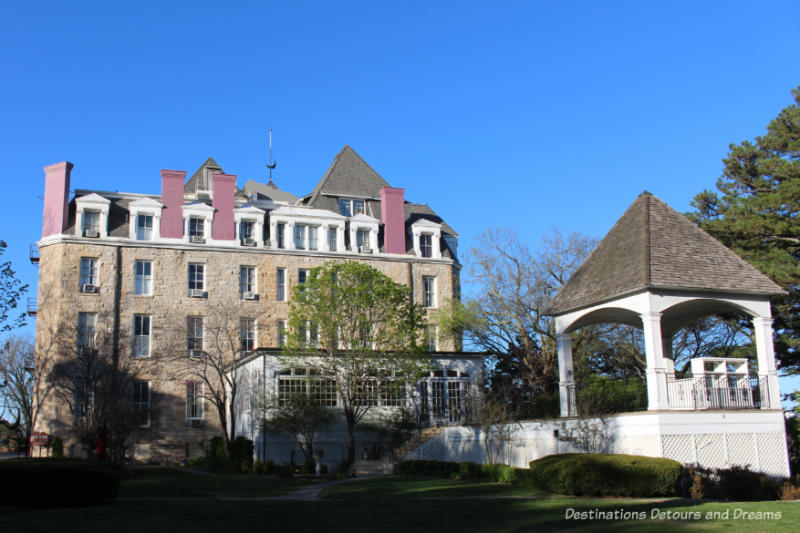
(362, 239)
(141, 335)
(91, 223)
(312, 238)
(194, 402)
(426, 245)
(143, 278)
(428, 291)
(247, 231)
(194, 336)
(281, 329)
(197, 229)
(89, 281)
(332, 239)
(281, 285)
(430, 338)
(247, 282)
(300, 237)
(197, 279)
(141, 402)
(247, 334)
(349, 207)
(280, 229)
(144, 227)
(87, 329)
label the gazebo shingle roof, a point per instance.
(652, 246)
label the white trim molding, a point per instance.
(198, 210)
(145, 206)
(290, 216)
(92, 202)
(248, 213)
(424, 226)
(364, 222)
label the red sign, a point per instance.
(40, 438)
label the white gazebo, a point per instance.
(658, 271)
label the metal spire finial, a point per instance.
(271, 164)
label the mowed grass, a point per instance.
(150, 482)
(390, 504)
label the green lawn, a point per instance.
(145, 482)
(401, 504)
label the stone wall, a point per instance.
(60, 301)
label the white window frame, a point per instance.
(432, 338)
(248, 334)
(90, 272)
(426, 227)
(296, 219)
(142, 280)
(249, 214)
(148, 207)
(91, 203)
(193, 341)
(349, 207)
(281, 331)
(280, 285)
(143, 232)
(198, 210)
(364, 223)
(429, 293)
(199, 276)
(195, 404)
(142, 323)
(248, 277)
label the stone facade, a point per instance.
(61, 300)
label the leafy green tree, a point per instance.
(303, 416)
(11, 291)
(358, 327)
(756, 212)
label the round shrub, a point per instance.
(594, 474)
(218, 454)
(57, 482)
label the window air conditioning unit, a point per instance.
(249, 296)
(196, 354)
(197, 239)
(364, 249)
(89, 288)
(248, 242)
(197, 293)
(93, 233)
(195, 423)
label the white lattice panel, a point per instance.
(678, 447)
(710, 450)
(434, 449)
(742, 450)
(634, 445)
(772, 454)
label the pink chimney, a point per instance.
(56, 198)
(172, 199)
(224, 188)
(394, 220)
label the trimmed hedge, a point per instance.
(31, 483)
(595, 474)
(428, 468)
(466, 471)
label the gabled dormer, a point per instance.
(249, 224)
(426, 236)
(364, 234)
(145, 219)
(91, 216)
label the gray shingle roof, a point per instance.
(348, 175)
(191, 185)
(269, 191)
(652, 246)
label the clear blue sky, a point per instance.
(523, 114)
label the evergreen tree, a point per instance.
(756, 212)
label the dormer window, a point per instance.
(362, 239)
(91, 223)
(205, 180)
(247, 230)
(281, 235)
(299, 237)
(144, 227)
(91, 216)
(197, 229)
(349, 207)
(426, 245)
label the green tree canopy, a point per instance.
(360, 328)
(756, 212)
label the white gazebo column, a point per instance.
(765, 351)
(656, 370)
(566, 379)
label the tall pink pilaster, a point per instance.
(224, 188)
(56, 198)
(394, 220)
(172, 199)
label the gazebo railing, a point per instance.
(718, 393)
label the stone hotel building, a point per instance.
(147, 270)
